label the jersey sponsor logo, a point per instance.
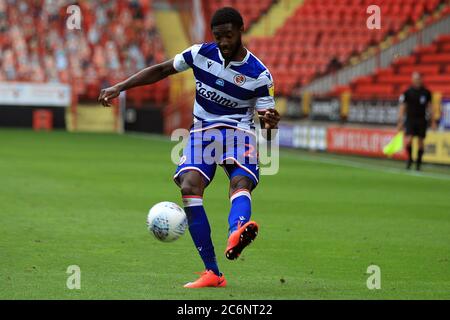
(209, 64)
(239, 79)
(215, 97)
(220, 82)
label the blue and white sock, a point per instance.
(200, 231)
(241, 209)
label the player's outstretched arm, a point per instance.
(146, 76)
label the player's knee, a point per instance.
(240, 182)
(191, 184)
(190, 190)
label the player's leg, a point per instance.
(242, 230)
(408, 144)
(421, 134)
(192, 176)
(420, 153)
(241, 202)
(192, 186)
(409, 133)
(241, 166)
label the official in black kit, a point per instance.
(415, 104)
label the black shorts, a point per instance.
(416, 127)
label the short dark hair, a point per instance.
(227, 15)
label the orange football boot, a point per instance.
(207, 279)
(241, 238)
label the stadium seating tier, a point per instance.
(309, 44)
(117, 38)
(432, 61)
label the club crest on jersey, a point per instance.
(239, 79)
(220, 82)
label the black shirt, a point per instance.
(416, 101)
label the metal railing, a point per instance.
(381, 60)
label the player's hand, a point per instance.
(400, 127)
(270, 118)
(106, 95)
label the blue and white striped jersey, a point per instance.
(227, 95)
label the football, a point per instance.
(167, 221)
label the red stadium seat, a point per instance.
(443, 39)
(435, 58)
(312, 30)
(424, 50)
(445, 47)
(338, 90)
(430, 68)
(432, 61)
(443, 89)
(437, 79)
(384, 72)
(405, 61)
(394, 79)
(363, 80)
(95, 58)
(374, 89)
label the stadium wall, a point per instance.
(38, 105)
(353, 125)
(14, 116)
(364, 110)
(358, 140)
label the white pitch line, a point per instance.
(358, 165)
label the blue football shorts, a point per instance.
(235, 150)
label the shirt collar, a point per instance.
(235, 63)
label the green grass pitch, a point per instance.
(82, 199)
